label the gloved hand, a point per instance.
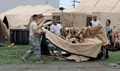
(42, 33)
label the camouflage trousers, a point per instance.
(34, 47)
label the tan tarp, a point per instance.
(91, 48)
(89, 6)
(3, 30)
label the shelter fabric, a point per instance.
(91, 48)
(3, 30)
(19, 17)
(89, 6)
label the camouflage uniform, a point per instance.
(34, 46)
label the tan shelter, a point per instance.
(89, 6)
(19, 16)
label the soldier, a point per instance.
(34, 42)
(55, 28)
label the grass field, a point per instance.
(13, 55)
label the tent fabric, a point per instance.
(116, 9)
(86, 6)
(89, 6)
(3, 30)
(68, 10)
(91, 48)
(19, 16)
(31, 9)
(105, 6)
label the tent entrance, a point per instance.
(5, 21)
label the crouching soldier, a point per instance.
(34, 42)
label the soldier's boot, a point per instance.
(23, 59)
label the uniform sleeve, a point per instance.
(52, 29)
(35, 26)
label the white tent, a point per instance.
(89, 6)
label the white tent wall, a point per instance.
(73, 19)
(114, 17)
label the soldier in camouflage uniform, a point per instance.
(34, 42)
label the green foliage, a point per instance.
(61, 8)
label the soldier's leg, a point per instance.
(29, 53)
(31, 47)
(59, 52)
(37, 53)
(37, 49)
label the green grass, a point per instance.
(114, 58)
(13, 55)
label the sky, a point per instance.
(67, 3)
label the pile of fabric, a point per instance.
(73, 35)
(3, 30)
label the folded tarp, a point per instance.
(91, 48)
(3, 30)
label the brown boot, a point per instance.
(23, 59)
(103, 57)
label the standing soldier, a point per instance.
(34, 42)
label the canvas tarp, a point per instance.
(89, 6)
(90, 49)
(3, 30)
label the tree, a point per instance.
(61, 8)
